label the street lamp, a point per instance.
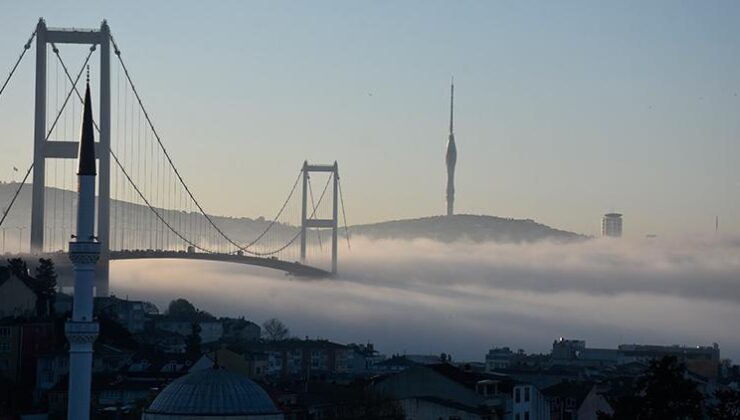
(20, 238)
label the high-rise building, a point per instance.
(451, 157)
(611, 225)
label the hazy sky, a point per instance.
(564, 109)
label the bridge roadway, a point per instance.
(61, 260)
(294, 268)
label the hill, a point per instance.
(465, 227)
(440, 228)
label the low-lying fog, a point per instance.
(463, 298)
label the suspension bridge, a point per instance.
(145, 208)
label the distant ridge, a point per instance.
(461, 227)
(465, 227)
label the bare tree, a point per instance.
(274, 330)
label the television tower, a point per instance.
(451, 156)
(716, 225)
(84, 251)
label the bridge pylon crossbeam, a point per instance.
(65, 148)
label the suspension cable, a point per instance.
(279, 213)
(161, 145)
(297, 235)
(344, 214)
(172, 164)
(310, 192)
(17, 191)
(74, 84)
(59, 114)
(156, 213)
(152, 208)
(26, 47)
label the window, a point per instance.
(4, 332)
(4, 347)
(517, 396)
(516, 417)
(526, 394)
(4, 364)
(526, 415)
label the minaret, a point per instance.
(84, 252)
(451, 157)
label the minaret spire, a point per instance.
(86, 156)
(451, 156)
(84, 251)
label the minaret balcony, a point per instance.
(84, 252)
(81, 332)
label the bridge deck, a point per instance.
(294, 268)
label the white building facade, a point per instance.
(611, 225)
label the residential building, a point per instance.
(302, 358)
(211, 329)
(529, 403)
(240, 330)
(394, 364)
(17, 297)
(576, 400)
(575, 352)
(50, 369)
(499, 358)
(9, 344)
(250, 364)
(131, 314)
(702, 360)
(443, 390)
(611, 225)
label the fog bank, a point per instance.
(463, 298)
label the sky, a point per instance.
(564, 110)
(425, 297)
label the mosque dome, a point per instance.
(215, 394)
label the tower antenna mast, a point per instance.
(451, 156)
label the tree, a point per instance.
(274, 330)
(114, 334)
(661, 393)
(46, 287)
(19, 268)
(181, 308)
(727, 406)
(192, 341)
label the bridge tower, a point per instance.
(45, 148)
(308, 222)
